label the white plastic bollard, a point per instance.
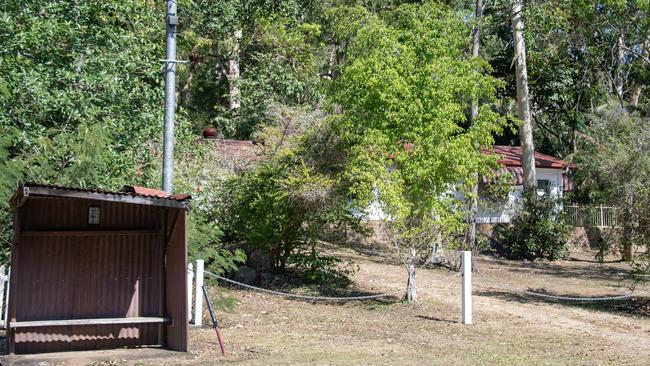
(198, 299)
(6, 301)
(466, 268)
(190, 278)
(3, 281)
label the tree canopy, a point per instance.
(362, 99)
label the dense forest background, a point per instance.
(81, 90)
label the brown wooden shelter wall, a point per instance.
(176, 280)
(58, 274)
(61, 213)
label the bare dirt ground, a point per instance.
(509, 329)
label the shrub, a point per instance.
(204, 238)
(283, 207)
(325, 270)
(537, 232)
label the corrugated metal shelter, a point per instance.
(95, 269)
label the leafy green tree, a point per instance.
(84, 85)
(81, 96)
(615, 168)
(404, 90)
(245, 56)
(574, 63)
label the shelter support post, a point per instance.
(176, 285)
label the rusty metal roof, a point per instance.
(128, 194)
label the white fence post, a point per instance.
(6, 299)
(602, 217)
(3, 283)
(198, 299)
(466, 268)
(190, 278)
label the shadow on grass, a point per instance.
(600, 272)
(375, 252)
(593, 261)
(425, 317)
(635, 306)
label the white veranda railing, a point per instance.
(593, 216)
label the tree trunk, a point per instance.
(411, 294)
(635, 95)
(523, 98)
(436, 249)
(470, 239)
(619, 78)
(638, 89)
(194, 61)
(574, 137)
(233, 73)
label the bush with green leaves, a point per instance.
(283, 207)
(539, 231)
(615, 169)
(328, 271)
(293, 199)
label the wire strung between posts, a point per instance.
(494, 284)
(303, 297)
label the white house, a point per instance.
(553, 177)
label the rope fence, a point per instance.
(440, 284)
(490, 283)
(302, 297)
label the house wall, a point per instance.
(485, 215)
(504, 213)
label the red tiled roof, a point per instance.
(510, 156)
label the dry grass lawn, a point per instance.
(509, 329)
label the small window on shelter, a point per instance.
(93, 215)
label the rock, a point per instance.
(245, 274)
(258, 260)
(265, 279)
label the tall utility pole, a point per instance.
(470, 239)
(170, 98)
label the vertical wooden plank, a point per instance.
(176, 283)
(162, 294)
